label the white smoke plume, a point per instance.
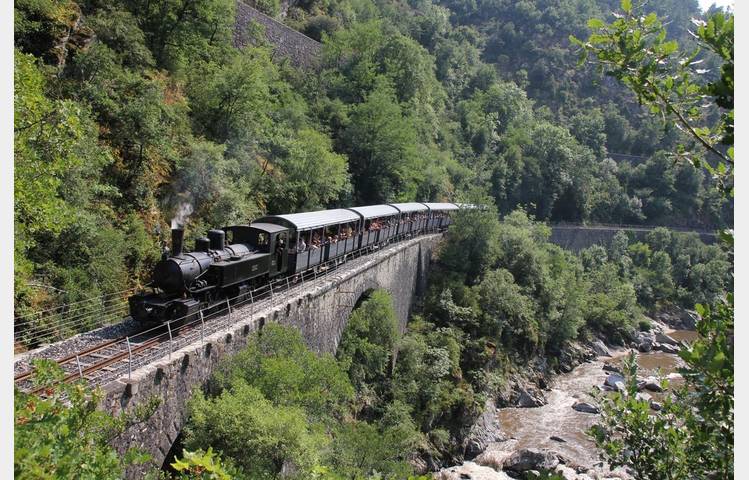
(183, 212)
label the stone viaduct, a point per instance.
(320, 309)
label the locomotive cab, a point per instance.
(271, 239)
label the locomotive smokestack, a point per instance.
(178, 235)
(217, 239)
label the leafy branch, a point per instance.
(670, 81)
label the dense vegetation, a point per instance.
(501, 296)
(694, 431)
(129, 114)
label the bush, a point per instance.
(257, 435)
(645, 325)
(64, 434)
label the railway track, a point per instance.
(87, 363)
(121, 356)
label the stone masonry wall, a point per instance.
(580, 237)
(301, 50)
(320, 309)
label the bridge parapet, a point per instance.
(320, 309)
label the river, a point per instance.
(534, 427)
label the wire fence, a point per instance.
(54, 324)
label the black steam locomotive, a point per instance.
(234, 260)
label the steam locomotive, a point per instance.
(232, 261)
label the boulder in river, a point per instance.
(664, 338)
(483, 432)
(643, 397)
(613, 379)
(611, 368)
(645, 341)
(472, 471)
(585, 407)
(566, 472)
(530, 398)
(652, 384)
(600, 349)
(668, 348)
(531, 459)
(496, 453)
(645, 346)
(689, 319)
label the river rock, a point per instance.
(689, 319)
(668, 348)
(600, 349)
(531, 459)
(655, 405)
(470, 471)
(643, 397)
(496, 453)
(645, 341)
(585, 407)
(652, 384)
(484, 431)
(645, 346)
(613, 379)
(530, 398)
(566, 472)
(557, 439)
(611, 368)
(664, 338)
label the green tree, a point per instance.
(382, 145)
(259, 437)
(635, 49)
(368, 344)
(63, 434)
(280, 366)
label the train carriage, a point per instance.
(439, 214)
(317, 237)
(378, 222)
(411, 218)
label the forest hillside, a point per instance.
(131, 113)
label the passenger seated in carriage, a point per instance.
(301, 246)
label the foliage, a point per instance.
(280, 366)
(257, 435)
(652, 445)
(368, 342)
(200, 465)
(62, 434)
(635, 49)
(691, 435)
(291, 408)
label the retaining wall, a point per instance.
(301, 50)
